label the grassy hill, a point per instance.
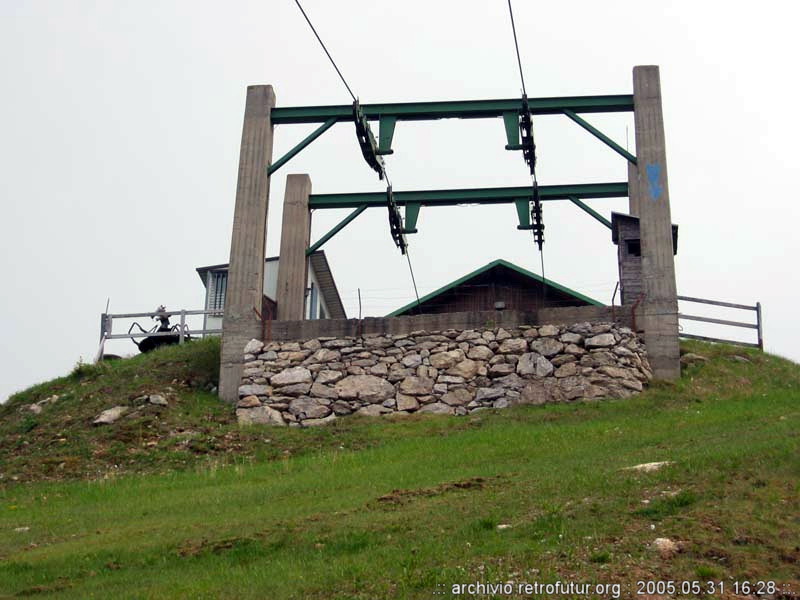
(178, 501)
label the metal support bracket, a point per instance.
(589, 210)
(341, 225)
(527, 210)
(412, 213)
(523, 213)
(600, 136)
(511, 122)
(385, 135)
(296, 150)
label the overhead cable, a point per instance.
(321, 43)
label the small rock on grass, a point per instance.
(691, 359)
(319, 422)
(648, 467)
(157, 399)
(109, 416)
(666, 547)
(260, 415)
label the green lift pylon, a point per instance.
(517, 121)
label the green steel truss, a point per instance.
(504, 195)
(389, 114)
(414, 200)
(456, 109)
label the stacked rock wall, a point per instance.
(313, 382)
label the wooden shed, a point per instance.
(499, 285)
(625, 234)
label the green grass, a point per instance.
(394, 508)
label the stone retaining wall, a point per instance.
(313, 382)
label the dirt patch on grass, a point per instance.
(400, 497)
(44, 589)
(198, 547)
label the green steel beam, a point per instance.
(341, 225)
(296, 150)
(458, 109)
(505, 195)
(600, 136)
(591, 211)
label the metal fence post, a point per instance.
(104, 331)
(103, 317)
(183, 326)
(760, 332)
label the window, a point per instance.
(634, 247)
(313, 301)
(217, 287)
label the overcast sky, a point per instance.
(121, 122)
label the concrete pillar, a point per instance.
(248, 242)
(295, 235)
(660, 304)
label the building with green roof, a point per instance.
(499, 285)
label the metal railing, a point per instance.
(757, 325)
(183, 331)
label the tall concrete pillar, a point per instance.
(660, 304)
(248, 242)
(295, 235)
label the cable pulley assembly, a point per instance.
(528, 147)
(526, 144)
(526, 136)
(537, 225)
(366, 140)
(395, 222)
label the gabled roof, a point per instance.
(488, 267)
(327, 285)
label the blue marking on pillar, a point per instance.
(654, 181)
